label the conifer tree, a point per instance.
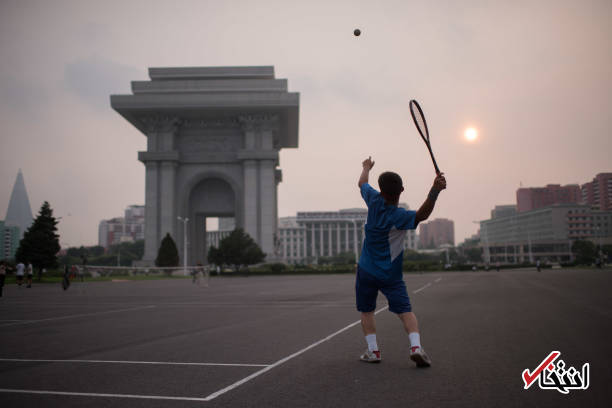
(40, 243)
(168, 253)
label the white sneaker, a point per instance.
(371, 356)
(418, 355)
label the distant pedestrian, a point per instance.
(497, 266)
(538, 266)
(79, 270)
(30, 274)
(2, 275)
(66, 279)
(19, 273)
(73, 272)
(83, 268)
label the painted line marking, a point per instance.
(24, 360)
(223, 390)
(92, 394)
(73, 316)
(284, 360)
(437, 280)
(422, 288)
(208, 398)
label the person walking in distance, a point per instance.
(2, 275)
(19, 273)
(30, 274)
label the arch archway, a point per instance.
(211, 197)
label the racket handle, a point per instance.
(433, 159)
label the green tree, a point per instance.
(236, 250)
(473, 254)
(214, 256)
(343, 258)
(128, 252)
(168, 253)
(584, 251)
(606, 252)
(40, 243)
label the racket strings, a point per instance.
(419, 120)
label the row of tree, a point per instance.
(40, 246)
(122, 254)
(237, 250)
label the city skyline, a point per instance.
(537, 91)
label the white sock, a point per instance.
(415, 339)
(371, 339)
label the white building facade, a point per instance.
(543, 234)
(315, 234)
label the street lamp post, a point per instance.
(184, 221)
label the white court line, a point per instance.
(422, 288)
(95, 394)
(208, 398)
(438, 280)
(24, 360)
(284, 360)
(73, 316)
(223, 390)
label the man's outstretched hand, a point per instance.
(365, 173)
(439, 182)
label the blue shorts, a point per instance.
(367, 287)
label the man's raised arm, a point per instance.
(425, 211)
(365, 173)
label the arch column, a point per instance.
(259, 159)
(151, 210)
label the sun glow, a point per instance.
(470, 134)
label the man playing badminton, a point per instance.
(380, 264)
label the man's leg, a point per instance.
(367, 323)
(411, 325)
(366, 294)
(399, 303)
(409, 319)
(369, 330)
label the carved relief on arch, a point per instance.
(161, 123)
(210, 123)
(259, 122)
(193, 144)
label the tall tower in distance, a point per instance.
(19, 212)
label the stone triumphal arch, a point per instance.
(213, 138)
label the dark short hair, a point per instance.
(390, 183)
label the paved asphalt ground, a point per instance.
(279, 342)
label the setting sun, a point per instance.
(470, 134)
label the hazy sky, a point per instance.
(534, 77)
